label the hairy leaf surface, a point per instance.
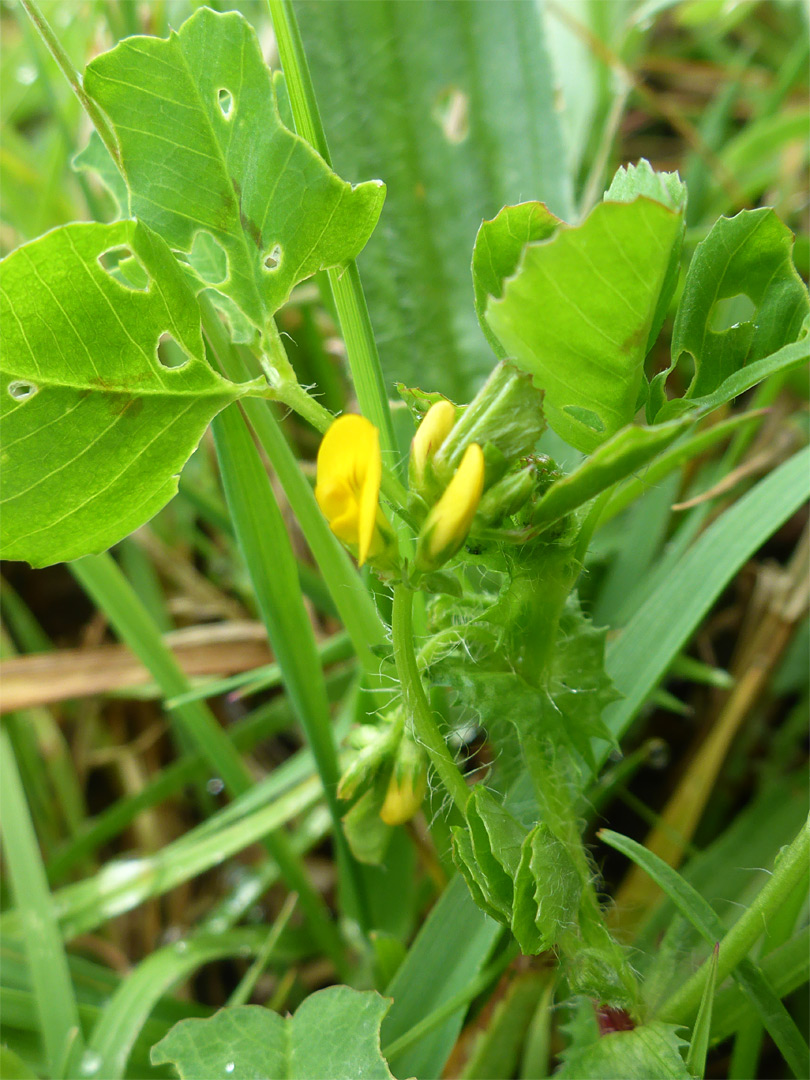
(95, 427)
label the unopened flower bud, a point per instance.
(430, 435)
(450, 519)
(506, 497)
(407, 786)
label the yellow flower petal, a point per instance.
(450, 519)
(348, 484)
(431, 433)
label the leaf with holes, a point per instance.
(742, 302)
(498, 247)
(99, 415)
(334, 1033)
(577, 314)
(204, 151)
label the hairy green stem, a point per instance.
(752, 924)
(418, 708)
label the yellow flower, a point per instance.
(431, 433)
(450, 519)
(348, 484)
(404, 795)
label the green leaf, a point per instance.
(454, 106)
(488, 851)
(203, 150)
(447, 955)
(650, 1052)
(334, 1033)
(578, 313)
(367, 834)
(700, 914)
(618, 458)
(96, 428)
(548, 887)
(745, 260)
(631, 181)
(667, 188)
(641, 655)
(698, 1047)
(13, 1067)
(498, 247)
(95, 158)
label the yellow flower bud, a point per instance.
(404, 796)
(348, 483)
(431, 433)
(450, 519)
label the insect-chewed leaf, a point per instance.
(335, 1033)
(742, 302)
(578, 312)
(96, 424)
(203, 150)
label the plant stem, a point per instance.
(347, 290)
(425, 727)
(735, 946)
(71, 74)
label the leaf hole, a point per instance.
(170, 354)
(730, 312)
(272, 260)
(585, 416)
(451, 111)
(21, 390)
(126, 268)
(225, 103)
(208, 258)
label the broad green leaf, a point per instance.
(547, 891)
(498, 247)
(650, 1052)
(745, 261)
(203, 150)
(615, 460)
(136, 996)
(631, 181)
(454, 106)
(577, 315)
(335, 1033)
(12, 1067)
(789, 358)
(96, 428)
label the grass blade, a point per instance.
(56, 1002)
(641, 655)
(698, 1048)
(702, 916)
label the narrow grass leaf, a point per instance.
(37, 921)
(132, 1003)
(701, 915)
(698, 1047)
(638, 659)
